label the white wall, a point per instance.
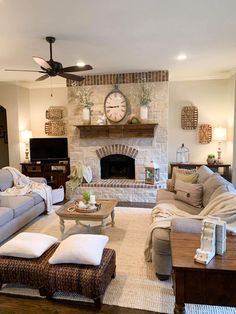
(23, 116)
(215, 106)
(40, 101)
(8, 99)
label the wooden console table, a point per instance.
(212, 284)
(223, 169)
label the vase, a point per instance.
(86, 116)
(143, 113)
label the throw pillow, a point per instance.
(204, 173)
(211, 184)
(27, 245)
(178, 170)
(189, 193)
(189, 177)
(84, 249)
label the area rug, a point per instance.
(135, 285)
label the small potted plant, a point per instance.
(210, 158)
(144, 100)
(84, 95)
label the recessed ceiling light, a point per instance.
(182, 56)
(80, 64)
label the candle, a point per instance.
(92, 199)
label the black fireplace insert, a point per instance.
(117, 166)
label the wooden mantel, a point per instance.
(117, 131)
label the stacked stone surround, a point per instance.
(143, 150)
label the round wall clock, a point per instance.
(115, 106)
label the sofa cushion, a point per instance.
(189, 193)
(211, 184)
(6, 180)
(19, 204)
(165, 195)
(203, 173)
(178, 170)
(183, 206)
(221, 189)
(36, 197)
(6, 215)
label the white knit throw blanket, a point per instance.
(23, 185)
(223, 206)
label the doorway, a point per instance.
(4, 152)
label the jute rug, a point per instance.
(135, 285)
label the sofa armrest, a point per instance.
(38, 179)
(188, 225)
(166, 195)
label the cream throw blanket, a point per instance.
(223, 206)
(23, 185)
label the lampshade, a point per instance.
(219, 134)
(26, 135)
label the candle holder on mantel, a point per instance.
(152, 173)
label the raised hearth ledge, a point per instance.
(126, 190)
(117, 131)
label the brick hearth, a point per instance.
(125, 190)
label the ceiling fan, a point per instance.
(53, 68)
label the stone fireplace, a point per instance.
(123, 158)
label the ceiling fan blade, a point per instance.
(41, 78)
(42, 63)
(76, 68)
(24, 71)
(72, 77)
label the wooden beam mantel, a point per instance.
(117, 131)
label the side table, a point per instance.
(222, 169)
(212, 284)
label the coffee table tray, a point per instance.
(75, 208)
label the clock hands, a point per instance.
(113, 106)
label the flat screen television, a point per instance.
(48, 149)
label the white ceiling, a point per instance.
(120, 36)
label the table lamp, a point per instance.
(25, 136)
(219, 135)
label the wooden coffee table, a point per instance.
(106, 209)
(212, 284)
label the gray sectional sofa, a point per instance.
(213, 185)
(17, 211)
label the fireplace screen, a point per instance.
(117, 167)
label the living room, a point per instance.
(181, 53)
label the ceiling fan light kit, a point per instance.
(53, 68)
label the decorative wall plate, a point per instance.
(205, 133)
(189, 117)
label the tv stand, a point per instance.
(56, 173)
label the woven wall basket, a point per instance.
(189, 117)
(54, 114)
(205, 133)
(56, 128)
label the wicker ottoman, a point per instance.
(89, 281)
(27, 271)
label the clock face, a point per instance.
(115, 106)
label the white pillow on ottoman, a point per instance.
(27, 245)
(83, 249)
